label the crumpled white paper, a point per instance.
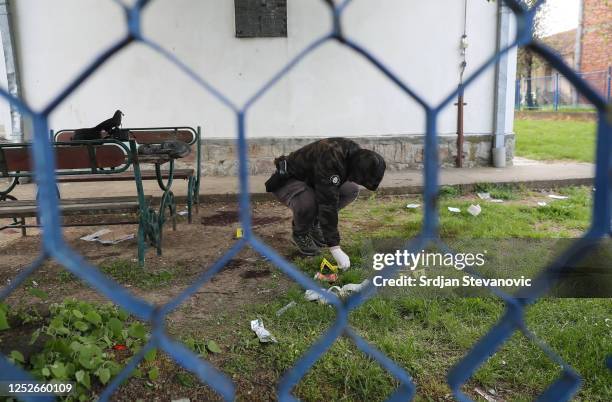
(262, 333)
(474, 210)
(97, 236)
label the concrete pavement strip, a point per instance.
(225, 188)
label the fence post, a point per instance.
(609, 81)
(517, 95)
(556, 95)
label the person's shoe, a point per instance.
(316, 234)
(305, 244)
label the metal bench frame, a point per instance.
(149, 227)
(193, 181)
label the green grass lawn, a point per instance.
(426, 336)
(562, 109)
(555, 140)
(423, 334)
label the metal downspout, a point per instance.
(501, 87)
(12, 69)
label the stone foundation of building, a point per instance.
(400, 152)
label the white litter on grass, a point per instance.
(97, 236)
(413, 206)
(487, 197)
(344, 291)
(487, 396)
(454, 210)
(557, 197)
(542, 204)
(262, 333)
(118, 240)
(474, 210)
(287, 307)
(183, 213)
(314, 295)
(352, 287)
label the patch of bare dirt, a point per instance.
(222, 218)
(189, 252)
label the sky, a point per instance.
(561, 15)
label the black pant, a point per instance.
(300, 198)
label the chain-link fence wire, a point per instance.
(555, 92)
(54, 245)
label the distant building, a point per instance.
(587, 49)
(565, 44)
(544, 80)
(594, 51)
(595, 31)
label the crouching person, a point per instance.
(318, 180)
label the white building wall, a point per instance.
(5, 110)
(333, 92)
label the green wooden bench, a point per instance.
(156, 135)
(103, 159)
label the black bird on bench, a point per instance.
(95, 133)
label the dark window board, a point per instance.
(261, 18)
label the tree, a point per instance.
(526, 59)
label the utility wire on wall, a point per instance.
(463, 44)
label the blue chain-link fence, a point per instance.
(54, 245)
(556, 93)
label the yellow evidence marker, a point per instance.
(325, 264)
(238, 233)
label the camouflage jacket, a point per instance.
(323, 165)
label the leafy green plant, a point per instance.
(80, 342)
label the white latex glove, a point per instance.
(341, 258)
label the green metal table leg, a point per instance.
(196, 188)
(167, 200)
(141, 241)
(190, 189)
